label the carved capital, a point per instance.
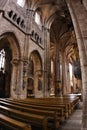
(24, 60)
(15, 61)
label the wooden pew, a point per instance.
(7, 123)
(59, 111)
(67, 103)
(76, 97)
(71, 101)
(34, 120)
(44, 105)
(62, 107)
(51, 115)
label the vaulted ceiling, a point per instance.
(55, 16)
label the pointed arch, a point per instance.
(9, 43)
(35, 73)
(11, 39)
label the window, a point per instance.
(2, 59)
(21, 2)
(38, 19)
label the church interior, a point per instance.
(43, 64)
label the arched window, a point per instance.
(21, 2)
(2, 59)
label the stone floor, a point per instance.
(74, 121)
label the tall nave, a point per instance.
(43, 64)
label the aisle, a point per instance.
(74, 121)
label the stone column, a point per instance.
(46, 71)
(77, 11)
(24, 77)
(52, 86)
(79, 84)
(68, 85)
(29, 21)
(63, 73)
(19, 78)
(14, 79)
(57, 67)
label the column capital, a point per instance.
(15, 61)
(24, 60)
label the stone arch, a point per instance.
(35, 73)
(9, 43)
(10, 37)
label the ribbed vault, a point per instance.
(56, 17)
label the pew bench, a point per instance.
(7, 123)
(51, 115)
(59, 111)
(70, 101)
(63, 107)
(37, 121)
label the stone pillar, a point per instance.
(63, 73)
(24, 77)
(79, 84)
(52, 86)
(46, 71)
(29, 21)
(19, 78)
(74, 80)
(57, 63)
(79, 15)
(68, 85)
(15, 79)
(57, 81)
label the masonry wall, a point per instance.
(15, 21)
